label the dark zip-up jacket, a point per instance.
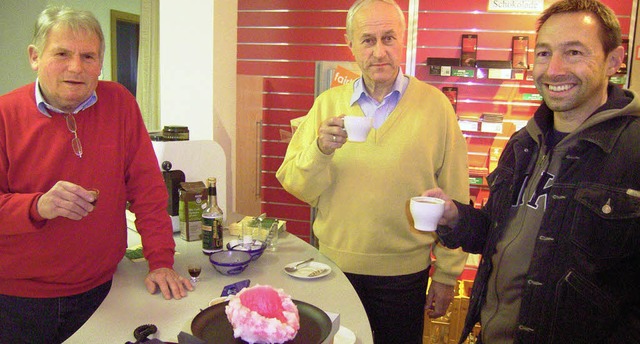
(582, 285)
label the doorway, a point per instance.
(125, 38)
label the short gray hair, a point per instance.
(360, 3)
(62, 16)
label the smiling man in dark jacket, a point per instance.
(560, 233)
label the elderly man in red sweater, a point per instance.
(67, 141)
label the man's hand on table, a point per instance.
(170, 282)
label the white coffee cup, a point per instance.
(426, 212)
(357, 127)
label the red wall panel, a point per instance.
(281, 195)
(466, 21)
(293, 52)
(274, 149)
(301, 85)
(289, 101)
(304, 18)
(268, 179)
(277, 68)
(271, 164)
(330, 36)
(281, 117)
(261, 5)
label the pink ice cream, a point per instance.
(263, 314)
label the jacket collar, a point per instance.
(602, 128)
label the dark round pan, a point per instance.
(212, 325)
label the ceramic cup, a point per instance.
(357, 127)
(426, 212)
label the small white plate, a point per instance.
(305, 270)
(344, 336)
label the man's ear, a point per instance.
(34, 56)
(348, 41)
(615, 60)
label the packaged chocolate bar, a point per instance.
(520, 52)
(469, 50)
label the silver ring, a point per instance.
(334, 138)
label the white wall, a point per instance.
(186, 66)
(198, 71)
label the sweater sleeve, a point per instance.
(305, 171)
(449, 264)
(453, 176)
(147, 195)
(18, 211)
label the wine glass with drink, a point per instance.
(194, 272)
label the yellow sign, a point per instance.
(515, 5)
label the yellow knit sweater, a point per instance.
(362, 190)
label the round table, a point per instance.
(130, 305)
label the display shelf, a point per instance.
(459, 71)
(516, 74)
(491, 123)
(502, 73)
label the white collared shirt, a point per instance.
(379, 111)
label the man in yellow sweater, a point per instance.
(362, 190)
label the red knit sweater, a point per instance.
(59, 257)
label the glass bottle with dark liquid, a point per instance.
(212, 222)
